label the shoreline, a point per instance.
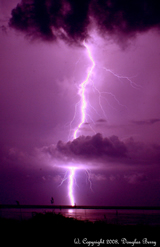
(23, 206)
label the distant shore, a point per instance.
(79, 207)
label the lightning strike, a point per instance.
(84, 115)
(82, 91)
(71, 177)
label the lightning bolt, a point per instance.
(82, 91)
(83, 102)
(71, 177)
(88, 81)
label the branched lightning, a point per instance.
(70, 175)
(65, 178)
(89, 179)
(82, 91)
(101, 95)
(84, 115)
(71, 179)
(133, 84)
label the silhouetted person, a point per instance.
(52, 200)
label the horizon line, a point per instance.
(77, 207)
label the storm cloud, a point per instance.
(72, 20)
(93, 146)
(98, 149)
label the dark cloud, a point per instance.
(136, 178)
(126, 17)
(87, 151)
(112, 149)
(101, 120)
(49, 19)
(72, 20)
(94, 151)
(146, 122)
(93, 146)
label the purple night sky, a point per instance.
(43, 61)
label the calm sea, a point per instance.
(111, 216)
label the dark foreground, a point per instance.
(51, 229)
